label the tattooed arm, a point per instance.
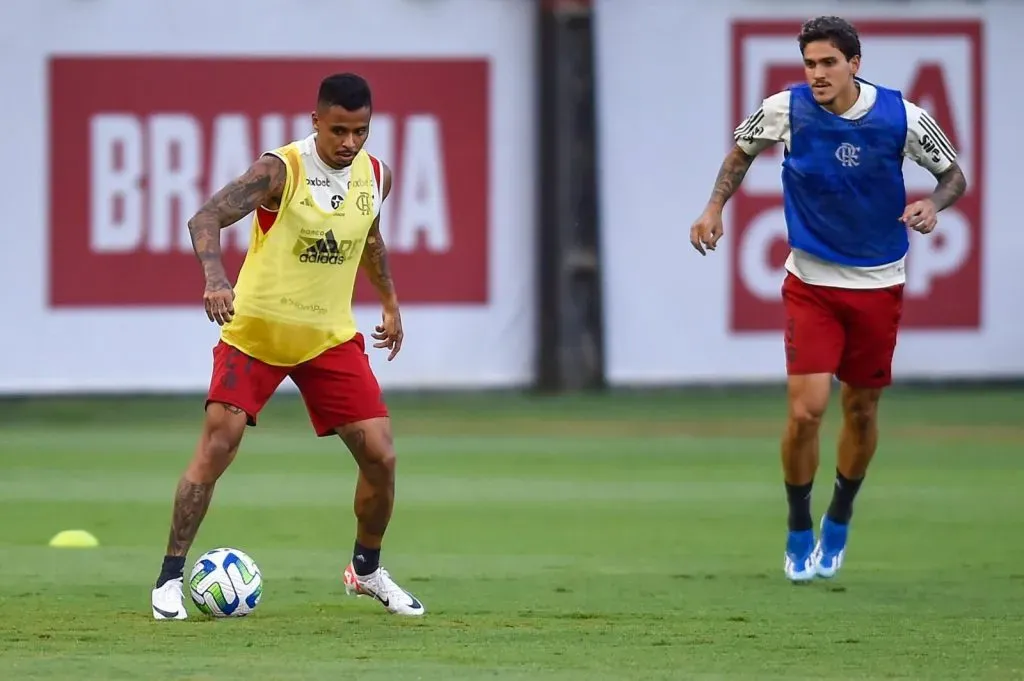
(707, 230)
(952, 185)
(730, 175)
(929, 147)
(762, 129)
(262, 184)
(375, 255)
(923, 216)
(388, 333)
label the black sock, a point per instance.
(366, 561)
(845, 491)
(173, 568)
(799, 497)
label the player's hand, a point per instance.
(219, 301)
(388, 333)
(921, 216)
(706, 232)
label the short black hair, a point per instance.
(347, 90)
(836, 30)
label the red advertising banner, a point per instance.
(137, 144)
(943, 288)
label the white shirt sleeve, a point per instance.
(766, 126)
(927, 145)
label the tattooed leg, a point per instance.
(190, 504)
(216, 449)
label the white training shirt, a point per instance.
(329, 186)
(927, 145)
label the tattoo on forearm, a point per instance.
(375, 262)
(730, 175)
(263, 181)
(952, 185)
(190, 503)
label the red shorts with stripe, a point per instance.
(338, 385)
(847, 332)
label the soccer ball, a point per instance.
(226, 583)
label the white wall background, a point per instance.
(666, 76)
(44, 350)
(665, 114)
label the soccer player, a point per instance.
(317, 206)
(847, 218)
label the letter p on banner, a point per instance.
(938, 65)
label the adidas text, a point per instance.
(322, 258)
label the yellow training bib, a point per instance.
(293, 297)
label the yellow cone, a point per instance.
(74, 539)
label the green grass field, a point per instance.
(635, 536)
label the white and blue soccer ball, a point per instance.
(226, 583)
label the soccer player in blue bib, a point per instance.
(847, 217)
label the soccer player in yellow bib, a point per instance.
(317, 206)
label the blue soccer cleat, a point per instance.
(831, 548)
(799, 565)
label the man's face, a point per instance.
(340, 133)
(828, 71)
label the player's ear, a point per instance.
(313, 118)
(855, 64)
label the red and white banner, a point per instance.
(128, 117)
(130, 114)
(719, 318)
(150, 154)
(946, 76)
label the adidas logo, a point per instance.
(322, 251)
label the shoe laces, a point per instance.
(383, 584)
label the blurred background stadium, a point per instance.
(587, 413)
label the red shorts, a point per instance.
(338, 385)
(847, 332)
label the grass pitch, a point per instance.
(611, 537)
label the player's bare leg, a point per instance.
(808, 400)
(216, 449)
(858, 440)
(859, 436)
(372, 446)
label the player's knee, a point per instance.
(217, 446)
(860, 407)
(806, 408)
(808, 399)
(806, 411)
(381, 455)
(805, 417)
(372, 445)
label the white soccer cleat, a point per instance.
(168, 601)
(380, 586)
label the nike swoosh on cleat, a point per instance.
(168, 615)
(384, 601)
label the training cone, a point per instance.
(74, 539)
